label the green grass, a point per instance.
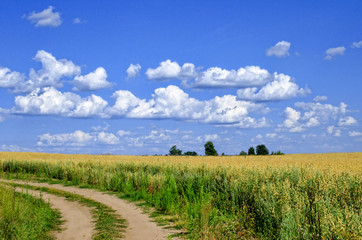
(108, 224)
(25, 217)
(226, 203)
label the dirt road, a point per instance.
(140, 226)
(78, 222)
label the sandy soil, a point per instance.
(140, 226)
(78, 218)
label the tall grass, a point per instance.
(225, 202)
(25, 217)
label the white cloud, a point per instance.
(93, 81)
(3, 114)
(107, 138)
(281, 49)
(249, 76)
(331, 53)
(49, 75)
(91, 106)
(78, 138)
(78, 21)
(172, 102)
(45, 18)
(133, 70)
(9, 79)
(320, 99)
(292, 120)
(334, 131)
(312, 115)
(15, 148)
(50, 101)
(122, 133)
(211, 137)
(347, 121)
(281, 88)
(357, 44)
(171, 70)
(166, 103)
(355, 134)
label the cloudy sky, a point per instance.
(136, 77)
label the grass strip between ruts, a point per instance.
(109, 225)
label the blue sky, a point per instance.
(138, 77)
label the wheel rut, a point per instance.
(140, 225)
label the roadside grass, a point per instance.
(23, 216)
(241, 201)
(108, 224)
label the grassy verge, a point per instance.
(108, 224)
(25, 217)
(225, 202)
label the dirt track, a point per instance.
(78, 222)
(140, 226)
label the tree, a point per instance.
(174, 151)
(261, 150)
(210, 149)
(242, 153)
(189, 153)
(251, 151)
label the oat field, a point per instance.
(296, 196)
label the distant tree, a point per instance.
(210, 149)
(242, 153)
(251, 151)
(189, 153)
(277, 153)
(174, 151)
(261, 150)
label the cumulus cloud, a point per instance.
(76, 139)
(49, 75)
(357, 44)
(332, 130)
(45, 18)
(211, 137)
(320, 99)
(122, 133)
(347, 121)
(171, 70)
(166, 103)
(172, 102)
(250, 76)
(133, 70)
(49, 101)
(331, 53)
(9, 79)
(281, 49)
(107, 138)
(311, 115)
(355, 134)
(281, 88)
(93, 81)
(52, 74)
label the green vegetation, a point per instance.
(261, 150)
(25, 217)
(210, 149)
(224, 202)
(174, 151)
(251, 151)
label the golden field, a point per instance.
(336, 162)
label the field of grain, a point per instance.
(297, 196)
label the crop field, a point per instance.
(296, 196)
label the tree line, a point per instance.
(211, 151)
